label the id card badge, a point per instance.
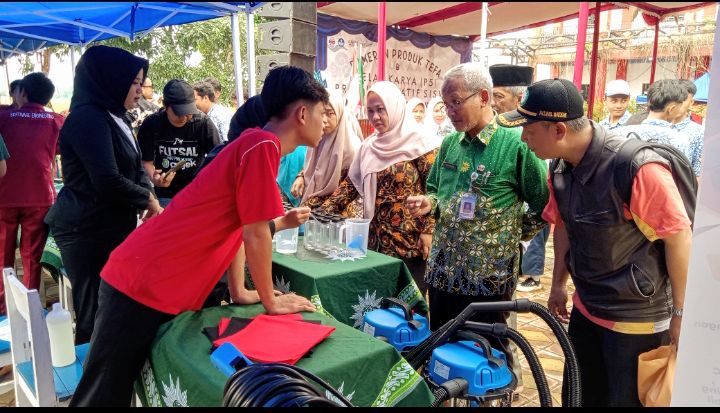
(467, 206)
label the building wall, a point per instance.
(638, 72)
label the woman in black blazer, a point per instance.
(105, 185)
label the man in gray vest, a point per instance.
(628, 262)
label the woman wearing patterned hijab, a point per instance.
(392, 164)
(327, 165)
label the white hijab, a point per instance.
(414, 102)
(436, 131)
(404, 140)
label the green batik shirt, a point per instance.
(479, 256)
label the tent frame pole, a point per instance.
(655, 50)
(593, 60)
(237, 63)
(382, 39)
(250, 42)
(580, 48)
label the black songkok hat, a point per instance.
(511, 75)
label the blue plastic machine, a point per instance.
(398, 325)
(228, 359)
(470, 358)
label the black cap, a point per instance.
(179, 95)
(511, 75)
(552, 100)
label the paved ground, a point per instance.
(543, 341)
(535, 330)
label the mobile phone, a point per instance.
(178, 166)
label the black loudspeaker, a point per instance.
(265, 63)
(303, 11)
(291, 36)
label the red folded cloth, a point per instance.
(225, 321)
(277, 339)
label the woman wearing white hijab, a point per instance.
(327, 165)
(417, 107)
(392, 164)
(436, 120)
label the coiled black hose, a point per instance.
(535, 367)
(277, 385)
(573, 397)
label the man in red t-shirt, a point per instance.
(27, 191)
(169, 264)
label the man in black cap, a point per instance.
(629, 286)
(175, 134)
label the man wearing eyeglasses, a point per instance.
(481, 178)
(146, 105)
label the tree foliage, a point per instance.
(170, 48)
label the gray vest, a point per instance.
(619, 274)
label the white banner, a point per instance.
(697, 375)
(417, 72)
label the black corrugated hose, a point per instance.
(277, 385)
(537, 371)
(573, 397)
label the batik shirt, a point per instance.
(479, 256)
(606, 122)
(393, 231)
(695, 134)
(221, 116)
(660, 131)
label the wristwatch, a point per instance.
(677, 312)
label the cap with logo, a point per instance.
(180, 96)
(511, 75)
(552, 100)
(617, 87)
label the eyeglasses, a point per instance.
(455, 104)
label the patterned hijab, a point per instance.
(403, 141)
(324, 164)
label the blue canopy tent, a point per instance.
(27, 27)
(703, 86)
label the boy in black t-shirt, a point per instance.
(179, 132)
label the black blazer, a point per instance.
(105, 183)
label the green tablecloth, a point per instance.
(346, 290)
(365, 370)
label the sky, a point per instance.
(60, 74)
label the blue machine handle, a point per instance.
(388, 302)
(482, 341)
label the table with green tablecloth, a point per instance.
(365, 370)
(347, 289)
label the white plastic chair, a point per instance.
(37, 382)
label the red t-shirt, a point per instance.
(172, 262)
(31, 136)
